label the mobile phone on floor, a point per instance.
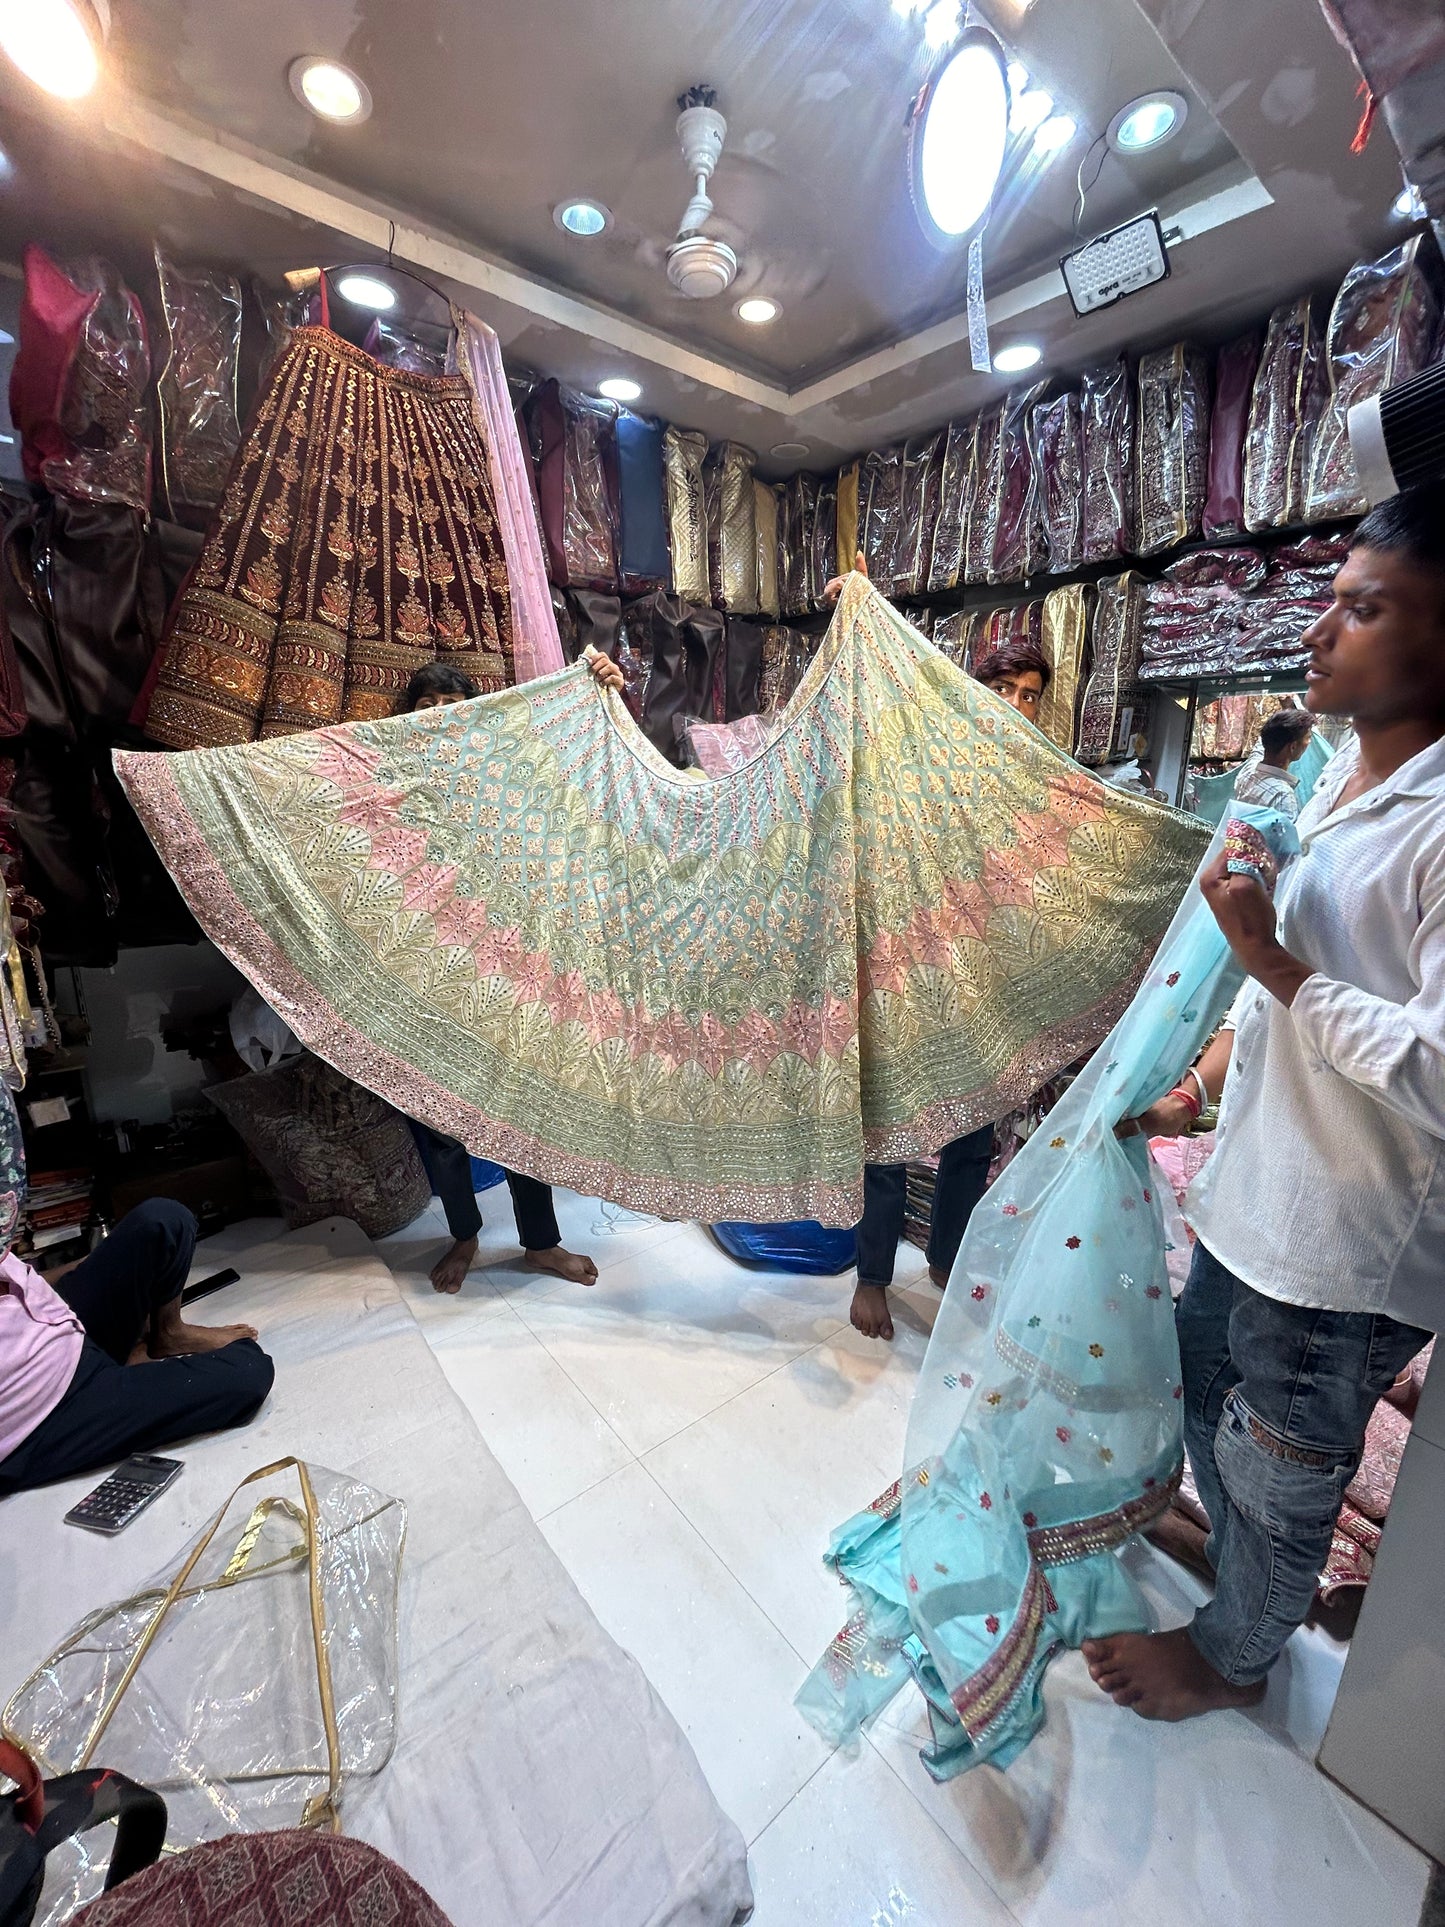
(203, 1287)
(128, 1490)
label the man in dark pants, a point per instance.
(102, 1364)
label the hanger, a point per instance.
(303, 278)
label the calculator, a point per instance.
(128, 1490)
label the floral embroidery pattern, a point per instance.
(1106, 1455)
(992, 1622)
(1056, 1144)
(1035, 1322)
(979, 1292)
(1096, 1351)
(1072, 1243)
(985, 1501)
(1010, 1210)
(1062, 1434)
(1153, 1291)
(1030, 1520)
(1172, 979)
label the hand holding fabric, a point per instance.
(834, 588)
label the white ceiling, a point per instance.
(486, 115)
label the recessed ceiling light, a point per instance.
(582, 217)
(1147, 122)
(1055, 134)
(365, 291)
(958, 138)
(1407, 205)
(619, 388)
(329, 89)
(1017, 356)
(7, 340)
(758, 309)
(789, 451)
(53, 43)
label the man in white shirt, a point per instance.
(1268, 779)
(1320, 1266)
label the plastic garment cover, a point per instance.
(1115, 642)
(955, 492)
(1314, 395)
(536, 644)
(1045, 1429)
(1277, 403)
(732, 540)
(682, 644)
(1056, 436)
(765, 533)
(742, 664)
(283, 311)
(1191, 613)
(824, 546)
(417, 346)
(717, 749)
(78, 389)
(642, 544)
(1388, 40)
(1173, 459)
(577, 484)
(785, 656)
(799, 589)
(196, 390)
(918, 511)
(954, 634)
(846, 552)
(248, 1684)
(1018, 540)
(982, 530)
(1381, 331)
(683, 454)
(1234, 370)
(1273, 618)
(883, 484)
(1065, 638)
(1106, 403)
(803, 1246)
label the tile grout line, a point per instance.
(967, 1859)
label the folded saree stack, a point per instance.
(356, 539)
(709, 1000)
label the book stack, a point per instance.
(59, 1208)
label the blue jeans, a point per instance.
(962, 1181)
(1276, 1401)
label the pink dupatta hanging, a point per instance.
(536, 645)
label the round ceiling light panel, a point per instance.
(789, 451)
(582, 218)
(758, 310)
(330, 90)
(366, 291)
(1146, 123)
(55, 42)
(620, 388)
(1017, 356)
(957, 139)
(1407, 205)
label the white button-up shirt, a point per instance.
(1327, 1187)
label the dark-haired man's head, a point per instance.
(1018, 673)
(1378, 652)
(1285, 736)
(434, 685)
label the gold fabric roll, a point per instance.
(683, 454)
(765, 534)
(847, 517)
(1066, 628)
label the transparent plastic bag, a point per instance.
(248, 1684)
(719, 748)
(954, 634)
(883, 485)
(983, 507)
(1381, 330)
(1057, 437)
(589, 522)
(418, 347)
(798, 589)
(765, 535)
(918, 510)
(683, 454)
(1064, 626)
(1106, 404)
(823, 543)
(196, 390)
(1173, 461)
(955, 493)
(1272, 441)
(732, 539)
(1018, 542)
(1234, 371)
(1115, 641)
(283, 310)
(848, 531)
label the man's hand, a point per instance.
(1244, 912)
(606, 671)
(834, 589)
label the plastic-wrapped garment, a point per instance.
(1018, 542)
(283, 310)
(1219, 729)
(577, 484)
(78, 389)
(196, 390)
(765, 532)
(1314, 395)
(786, 654)
(983, 505)
(1381, 330)
(1115, 642)
(732, 540)
(536, 644)
(682, 644)
(1234, 372)
(922, 620)
(1274, 410)
(800, 591)
(1065, 639)
(954, 634)
(419, 347)
(824, 546)
(804, 1246)
(848, 529)
(251, 1684)
(683, 454)
(1191, 614)
(717, 749)
(1173, 460)
(742, 667)
(918, 510)
(883, 481)
(955, 492)
(1106, 405)
(642, 544)
(1056, 435)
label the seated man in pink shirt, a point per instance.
(101, 1364)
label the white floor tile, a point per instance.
(853, 1850)
(766, 1478)
(549, 1441)
(726, 1675)
(673, 1333)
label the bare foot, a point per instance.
(939, 1278)
(1183, 1539)
(1163, 1676)
(449, 1270)
(178, 1340)
(562, 1264)
(870, 1312)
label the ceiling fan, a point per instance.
(698, 265)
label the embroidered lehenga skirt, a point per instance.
(356, 540)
